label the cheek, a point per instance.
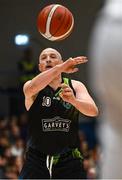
(58, 62)
(42, 66)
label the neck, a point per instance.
(56, 82)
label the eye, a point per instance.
(53, 56)
(43, 57)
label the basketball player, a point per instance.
(53, 103)
(106, 53)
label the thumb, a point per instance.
(75, 70)
(63, 85)
(60, 94)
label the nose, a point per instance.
(48, 60)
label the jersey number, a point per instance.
(46, 101)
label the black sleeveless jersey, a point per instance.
(53, 123)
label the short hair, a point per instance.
(52, 50)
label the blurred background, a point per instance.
(19, 63)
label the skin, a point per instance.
(51, 66)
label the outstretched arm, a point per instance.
(43, 79)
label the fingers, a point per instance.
(65, 94)
(69, 66)
(63, 86)
(80, 57)
(65, 89)
(80, 60)
(75, 70)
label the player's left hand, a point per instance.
(67, 93)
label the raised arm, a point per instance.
(43, 79)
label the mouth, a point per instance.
(48, 67)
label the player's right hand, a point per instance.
(69, 66)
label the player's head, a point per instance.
(49, 58)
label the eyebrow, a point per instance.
(42, 55)
(53, 54)
(50, 54)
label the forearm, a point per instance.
(86, 108)
(44, 78)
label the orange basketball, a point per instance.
(55, 22)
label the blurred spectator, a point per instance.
(3, 143)
(106, 73)
(3, 123)
(27, 69)
(3, 163)
(13, 120)
(7, 152)
(26, 66)
(11, 148)
(91, 157)
(18, 148)
(19, 160)
(10, 172)
(15, 133)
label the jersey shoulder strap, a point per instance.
(68, 82)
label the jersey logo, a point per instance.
(46, 101)
(56, 124)
(65, 104)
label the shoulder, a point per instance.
(26, 85)
(29, 99)
(77, 84)
(79, 87)
(27, 89)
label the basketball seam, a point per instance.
(46, 20)
(53, 38)
(60, 24)
(47, 33)
(47, 17)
